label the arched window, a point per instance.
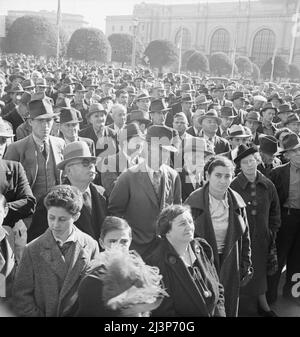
(263, 46)
(186, 38)
(220, 41)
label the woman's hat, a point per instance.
(243, 152)
(75, 150)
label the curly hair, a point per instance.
(113, 223)
(167, 215)
(64, 196)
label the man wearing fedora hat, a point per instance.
(142, 102)
(293, 123)
(283, 111)
(69, 127)
(201, 102)
(185, 105)
(79, 168)
(227, 116)
(39, 152)
(141, 118)
(195, 129)
(209, 123)
(79, 103)
(267, 126)
(286, 179)
(158, 111)
(252, 121)
(6, 136)
(141, 192)
(15, 94)
(238, 105)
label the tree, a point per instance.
(255, 72)
(198, 62)
(294, 72)
(281, 68)
(31, 35)
(220, 64)
(244, 65)
(121, 48)
(161, 53)
(185, 57)
(89, 44)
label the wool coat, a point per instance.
(234, 266)
(45, 286)
(263, 214)
(185, 297)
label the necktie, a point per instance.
(87, 201)
(156, 182)
(65, 247)
(45, 150)
(210, 145)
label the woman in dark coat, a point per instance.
(220, 218)
(263, 213)
(186, 264)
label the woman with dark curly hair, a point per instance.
(53, 264)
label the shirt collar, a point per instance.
(71, 238)
(224, 201)
(39, 142)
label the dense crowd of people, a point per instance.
(133, 193)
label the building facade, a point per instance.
(255, 29)
(69, 22)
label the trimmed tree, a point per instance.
(31, 35)
(121, 48)
(89, 44)
(294, 72)
(198, 62)
(281, 68)
(161, 53)
(185, 57)
(244, 65)
(220, 64)
(255, 72)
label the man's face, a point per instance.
(79, 95)
(186, 106)
(81, 170)
(257, 104)
(239, 103)
(195, 121)
(236, 142)
(252, 125)
(41, 128)
(123, 99)
(180, 124)
(23, 110)
(70, 130)
(294, 127)
(98, 120)
(40, 89)
(209, 125)
(158, 118)
(143, 104)
(119, 117)
(220, 94)
(268, 115)
(283, 116)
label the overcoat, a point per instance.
(235, 264)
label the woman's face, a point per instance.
(249, 165)
(182, 228)
(121, 237)
(220, 179)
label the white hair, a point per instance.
(117, 107)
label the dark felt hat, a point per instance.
(268, 144)
(243, 152)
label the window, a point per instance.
(220, 41)
(186, 38)
(263, 46)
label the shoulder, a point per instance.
(195, 199)
(85, 239)
(87, 140)
(57, 140)
(279, 169)
(239, 200)
(99, 189)
(199, 243)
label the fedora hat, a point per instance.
(67, 90)
(50, 77)
(253, 116)
(158, 105)
(70, 115)
(26, 98)
(187, 87)
(243, 152)
(41, 82)
(41, 108)
(75, 150)
(62, 103)
(284, 108)
(6, 129)
(80, 88)
(292, 118)
(268, 144)
(210, 114)
(90, 83)
(237, 131)
(95, 107)
(201, 99)
(260, 98)
(129, 131)
(267, 106)
(275, 96)
(16, 89)
(237, 95)
(164, 133)
(142, 95)
(290, 142)
(186, 97)
(219, 87)
(139, 115)
(227, 112)
(17, 75)
(28, 84)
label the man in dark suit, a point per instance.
(79, 168)
(144, 190)
(286, 179)
(209, 123)
(195, 129)
(238, 104)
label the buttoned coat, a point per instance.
(45, 286)
(185, 298)
(24, 151)
(264, 223)
(235, 263)
(134, 199)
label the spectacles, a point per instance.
(84, 163)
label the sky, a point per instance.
(94, 11)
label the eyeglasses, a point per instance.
(84, 163)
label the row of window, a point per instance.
(262, 48)
(142, 27)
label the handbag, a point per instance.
(272, 261)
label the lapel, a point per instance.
(145, 182)
(57, 155)
(180, 270)
(31, 156)
(50, 252)
(98, 211)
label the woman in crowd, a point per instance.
(118, 283)
(52, 265)
(263, 213)
(187, 267)
(220, 218)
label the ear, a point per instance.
(6, 209)
(76, 216)
(30, 121)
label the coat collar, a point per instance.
(243, 181)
